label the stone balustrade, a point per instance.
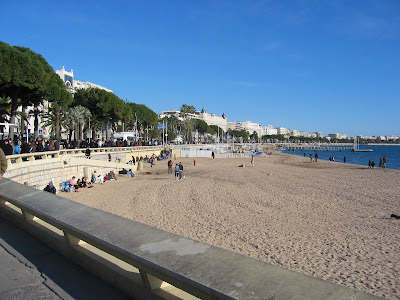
(39, 168)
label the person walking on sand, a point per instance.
(310, 156)
(170, 167)
(212, 155)
(252, 161)
(194, 162)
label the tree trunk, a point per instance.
(81, 135)
(22, 125)
(36, 122)
(107, 131)
(58, 127)
(76, 132)
(14, 107)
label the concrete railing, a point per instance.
(17, 159)
(148, 263)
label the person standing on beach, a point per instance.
(252, 161)
(212, 155)
(180, 171)
(344, 159)
(310, 156)
(194, 162)
(384, 160)
(176, 171)
(316, 156)
(170, 167)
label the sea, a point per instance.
(392, 153)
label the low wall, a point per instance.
(39, 168)
(38, 175)
(148, 263)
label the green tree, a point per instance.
(201, 126)
(105, 106)
(25, 77)
(187, 129)
(254, 136)
(75, 120)
(145, 117)
(187, 109)
(153, 134)
(171, 135)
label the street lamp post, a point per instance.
(135, 128)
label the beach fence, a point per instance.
(195, 153)
(232, 155)
(207, 153)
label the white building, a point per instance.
(317, 135)
(268, 130)
(283, 130)
(248, 126)
(210, 119)
(72, 84)
(337, 136)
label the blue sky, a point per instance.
(330, 66)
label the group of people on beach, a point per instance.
(382, 163)
(74, 184)
(332, 158)
(178, 169)
(311, 157)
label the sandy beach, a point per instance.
(326, 219)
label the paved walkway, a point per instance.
(31, 270)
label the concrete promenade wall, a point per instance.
(38, 169)
(149, 263)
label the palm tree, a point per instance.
(50, 121)
(188, 126)
(76, 119)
